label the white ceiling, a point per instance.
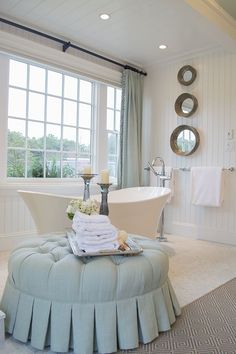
(133, 32)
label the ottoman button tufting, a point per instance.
(117, 300)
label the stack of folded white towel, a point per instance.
(94, 232)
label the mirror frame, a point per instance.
(174, 136)
(181, 73)
(179, 102)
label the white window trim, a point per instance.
(4, 79)
(100, 141)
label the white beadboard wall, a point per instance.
(15, 222)
(215, 89)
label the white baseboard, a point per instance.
(194, 231)
(182, 229)
(10, 241)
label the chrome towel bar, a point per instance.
(231, 169)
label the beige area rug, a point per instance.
(206, 326)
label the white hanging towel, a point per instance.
(155, 180)
(207, 187)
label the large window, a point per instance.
(52, 120)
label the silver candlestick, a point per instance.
(104, 210)
(87, 178)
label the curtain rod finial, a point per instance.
(66, 45)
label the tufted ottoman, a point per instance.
(98, 303)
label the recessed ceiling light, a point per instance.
(104, 16)
(162, 46)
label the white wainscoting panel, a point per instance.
(215, 89)
(16, 223)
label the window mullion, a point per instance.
(62, 124)
(94, 132)
(102, 157)
(27, 123)
(45, 127)
(114, 112)
(77, 130)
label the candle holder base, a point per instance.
(104, 210)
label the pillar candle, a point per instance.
(104, 177)
(87, 170)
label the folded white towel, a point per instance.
(91, 218)
(96, 226)
(86, 241)
(155, 180)
(93, 227)
(96, 239)
(83, 231)
(207, 186)
(96, 248)
(85, 235)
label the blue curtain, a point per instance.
(129, 168)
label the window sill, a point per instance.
(49, 184)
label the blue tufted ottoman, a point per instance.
(98, 303)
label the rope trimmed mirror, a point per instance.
(185, 105)
(186, 75)
(184, 140)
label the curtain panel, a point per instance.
(129, 168)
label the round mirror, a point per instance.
(184, 140)
(186, 75)
(185, 105)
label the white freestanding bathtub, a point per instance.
(136, 210)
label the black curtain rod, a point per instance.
(66, 45)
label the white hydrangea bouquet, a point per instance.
(89, 207)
